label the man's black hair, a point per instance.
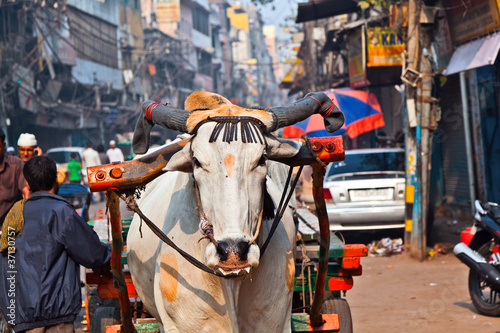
(2, 136)
(40, 173)
(89, 144)
(73, 155)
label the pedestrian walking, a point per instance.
(27, 146)
(46, 244)
(74, 169)
(13, 188)
(114, 153)
(12, 183)
(90, 158)
(102, 154)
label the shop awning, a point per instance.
(293, 76)
(478, 53)
(319, 9)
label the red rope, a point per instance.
(149, 110)
(327, 111)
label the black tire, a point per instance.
(341, 307)
(485, 298)
(103, 316)
(102, 313)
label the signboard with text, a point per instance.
(442, 44)
(471, 18)
(357, 58)
(167, 11)
(385, 47)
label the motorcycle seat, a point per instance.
(495, 212)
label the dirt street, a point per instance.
(402, 295)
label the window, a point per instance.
(94, 39)
(205, 63)
(200, 20)
(382, 161)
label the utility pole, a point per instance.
(419, 79)
(310, 59)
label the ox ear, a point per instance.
(281, 147)
(181, 161)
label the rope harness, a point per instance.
(206, 227)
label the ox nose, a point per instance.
(235, 247)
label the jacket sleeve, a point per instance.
(82, 244)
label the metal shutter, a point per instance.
(452, 137)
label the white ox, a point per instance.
(256, 295)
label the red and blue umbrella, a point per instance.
(361, 110)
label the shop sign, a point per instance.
(442, 44)
(293, 76)
(385, 47)
(469, 19)
(167, 11)
(357, 58)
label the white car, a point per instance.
(366, 191)
(62, 156)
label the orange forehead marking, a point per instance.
(229, 163)
(290, 270)
(223, 111)
(169, 269)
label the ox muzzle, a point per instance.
(232, 256)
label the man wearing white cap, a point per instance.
(27, 146)
(115, 154)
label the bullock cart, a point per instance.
(103, 306)
(226, 180)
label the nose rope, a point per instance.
(132, 206)
(259, 224)
(206, 227)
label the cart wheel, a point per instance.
(101, 313)
(103, 316)
(341, 307)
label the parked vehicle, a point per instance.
(366, 191)
(62, 155)
(479, 250)
(126, 148)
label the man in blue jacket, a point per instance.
(40, 258)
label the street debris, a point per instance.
(385, 247)
(439, 249)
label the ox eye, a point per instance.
(262, 160)
(196, 162)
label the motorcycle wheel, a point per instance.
(485, 298)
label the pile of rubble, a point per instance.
(385, 247)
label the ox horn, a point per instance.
(167, 117)
(317, 102)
